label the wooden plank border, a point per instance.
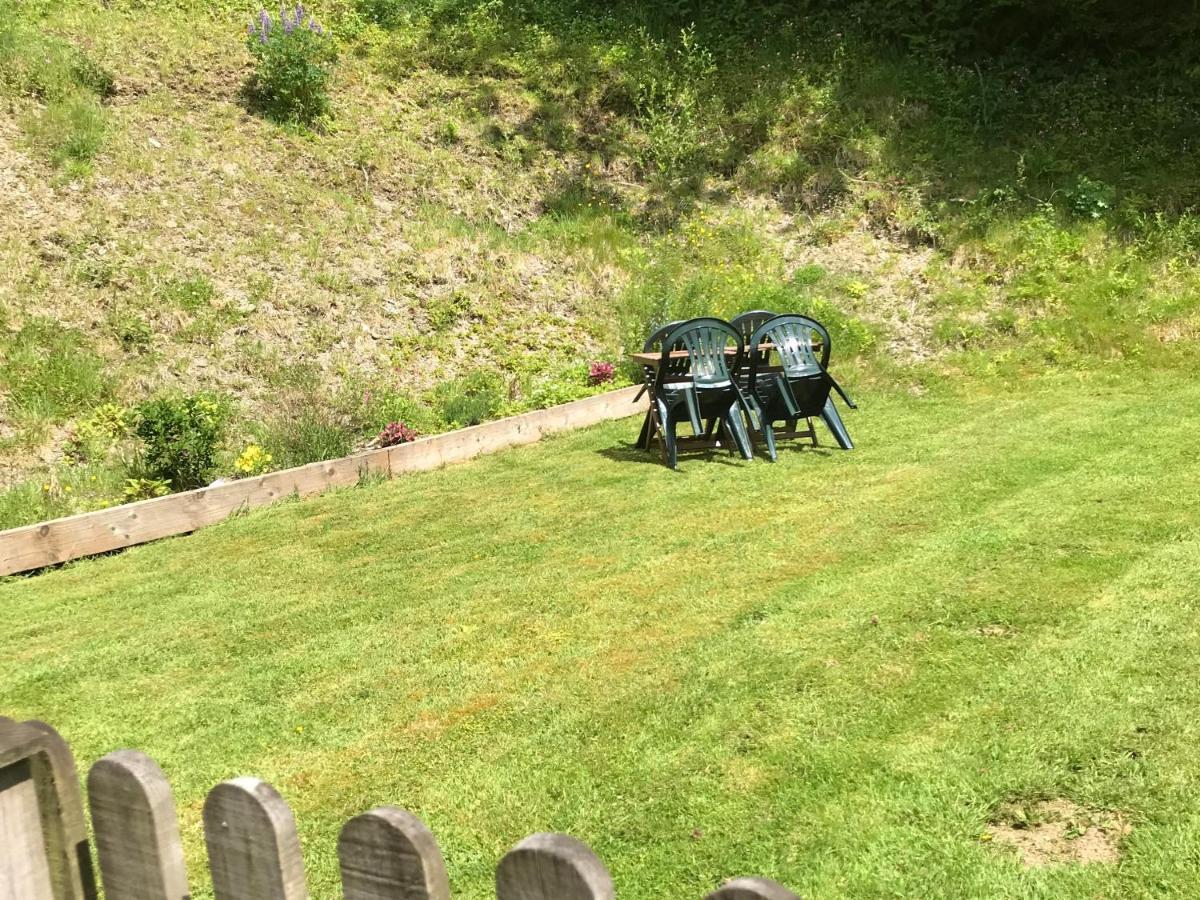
(32, 547)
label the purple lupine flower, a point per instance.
(264, 19)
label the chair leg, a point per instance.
(667, 430)
(693, 407)
(768, 433)
(831, 418)
(737, 427)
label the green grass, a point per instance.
(736, 668)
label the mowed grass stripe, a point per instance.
(683, 668)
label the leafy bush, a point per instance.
(380, 404)
(396, 433)
(294, 61)
(387, 13)
(144, 489)
(99, 433)
(132, 332)
(469, 400)
(181, 437)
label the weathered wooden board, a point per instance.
(49, 543)
(43, 838)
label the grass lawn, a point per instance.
(830, 671)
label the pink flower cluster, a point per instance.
(396, 433)
(601, 373)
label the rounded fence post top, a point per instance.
(388, 853)
(752, 889)
(548, 866)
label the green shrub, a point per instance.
(144, 489)
(387, 13)
(132, 332)
(181, 436)
(469, 400)
(382, 404)
(294, 60)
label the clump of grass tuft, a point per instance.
(51, 372)
(469, 400)
(71, 131)
(71, 125)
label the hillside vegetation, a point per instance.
(501, 193)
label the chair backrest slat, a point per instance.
(796, 339)
(707, 341)
(746, 324)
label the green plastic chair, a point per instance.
(801, 385)
(708, 389)
(747, 323)
(654, 342)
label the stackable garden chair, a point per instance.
(747, 323)
(700, 385)
(799, 386)
(654, 342)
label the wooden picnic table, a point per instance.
(653, 358)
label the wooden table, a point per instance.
(653, 358)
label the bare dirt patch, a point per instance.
(1050, 832)
(996, 631)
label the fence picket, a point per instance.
(552, 867)
(44, 850)
(389, 854)
(253, 849)
(136, 829)
(254, 852)
(752, 889)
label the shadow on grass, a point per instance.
(629, 452)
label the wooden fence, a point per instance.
(49, 543)
(253, 851)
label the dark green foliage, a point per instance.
(1090, 27)
(384, 12)
(470, 400)
(181, 437)
(293, 66)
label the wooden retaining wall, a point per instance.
(49, 543)
(253, 851)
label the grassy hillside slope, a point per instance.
(988, 603)
(505, 192)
